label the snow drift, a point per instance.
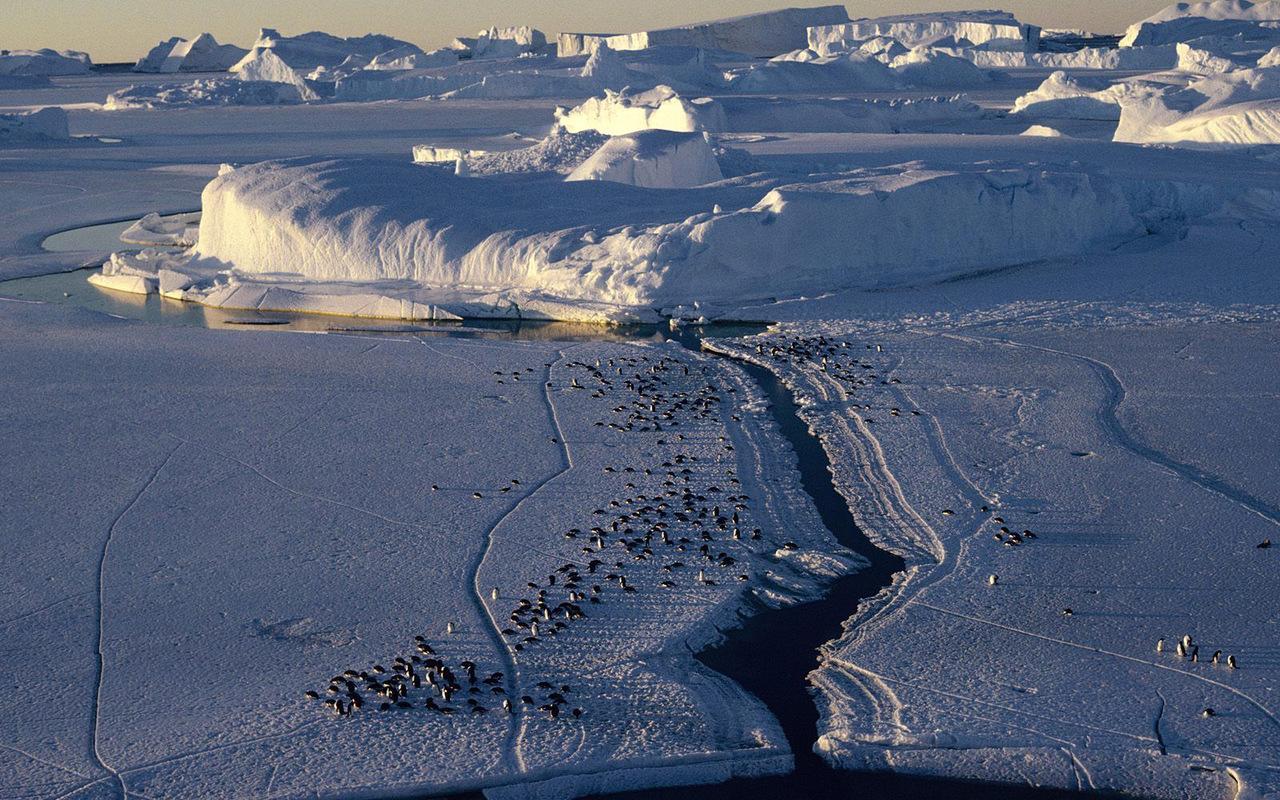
(1236, 108)
(47, 124)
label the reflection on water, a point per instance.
(73, 288)
(103, 238)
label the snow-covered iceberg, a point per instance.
(496, 42)
(1184, 22)
(959, 28)
(44, 62)
(379, 223)
(766, 34)
(201, 54)
(307, 51)
(662, 108)
(653, 158)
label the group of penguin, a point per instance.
(682, 518)
(670, 520)
(424, 680)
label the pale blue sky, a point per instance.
(123, 30)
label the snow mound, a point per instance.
(764, 34)
(210, 92)
(853, 71)
(933, 69)
(1070, 97)
(201, 54)
(654, 159)
(662, 108)
(961, 28)
(1236, 108)
(310, 50)
(47, 124)
(372, 221)
(1043, 131)
(44, 62)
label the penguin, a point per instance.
(1231, 662)
(993, 579)
(1160, 645)
(1217, 654)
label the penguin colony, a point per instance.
(681, 520)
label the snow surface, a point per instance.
(141, 509)
(1086, 327)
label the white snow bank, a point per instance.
(764, 34)
(372, 221)
(47, 124)
(201, 54)
(653, 159)
(209, 92)
(1071, 97)
(914, 30)
(1237, 108)
(1043, 131)
(662, 108)
(44, 62)
(310, 50)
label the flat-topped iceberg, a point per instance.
(604, 250)
(767, 33)
(44, 62)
